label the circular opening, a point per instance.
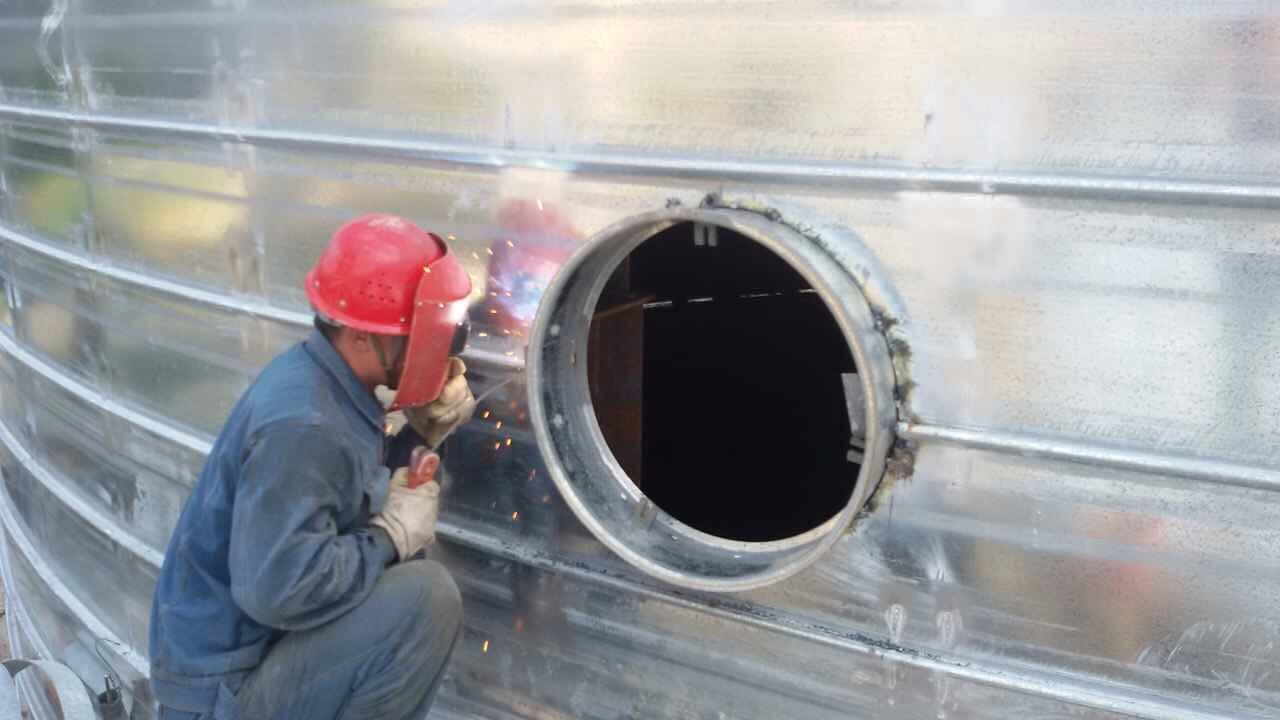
(718, 379)
(711, 395)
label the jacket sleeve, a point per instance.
(290, 567)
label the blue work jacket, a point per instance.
(275, 536)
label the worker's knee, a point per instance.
(412, 602)
(426, 592)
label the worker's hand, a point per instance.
(413, 504)
(455, 406)
(393, 422)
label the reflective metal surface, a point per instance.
(602, 494)
(1070, 210)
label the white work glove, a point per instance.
(393, 422)
(455, 406)
(409, 516)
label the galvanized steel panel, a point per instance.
(1072, 203)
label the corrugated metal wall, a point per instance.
(1074, 200)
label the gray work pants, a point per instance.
(384, 659)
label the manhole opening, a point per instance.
(724, 386)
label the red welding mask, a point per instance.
(384, 275)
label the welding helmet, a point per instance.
(382, 274)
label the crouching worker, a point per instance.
(290, 587)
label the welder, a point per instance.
(294, 585)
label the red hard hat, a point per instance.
(384, 275)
